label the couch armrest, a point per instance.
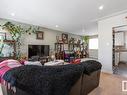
(90, 82)
(76, 89)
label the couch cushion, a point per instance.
(91, 66)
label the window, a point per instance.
(93, 43)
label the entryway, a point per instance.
(120, 50)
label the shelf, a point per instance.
(8, 41)
(121, 50)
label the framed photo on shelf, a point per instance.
(40, 35)
(65, 38)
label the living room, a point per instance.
(62, 40)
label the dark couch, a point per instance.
(88, 81)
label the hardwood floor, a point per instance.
(110, 85)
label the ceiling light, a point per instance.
(101, 7)
(12, 14)
(57, 26)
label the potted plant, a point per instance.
(86, 43)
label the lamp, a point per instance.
(52, 56)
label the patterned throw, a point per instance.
(7, 65)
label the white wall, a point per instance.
(92, 29)
(105, 39)
(49, 37)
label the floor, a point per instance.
(121, 69)
(110, 85)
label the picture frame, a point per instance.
(65, 38)
(71, 41)
(40, 35)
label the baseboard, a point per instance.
(107, 71)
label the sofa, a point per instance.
(87, 82)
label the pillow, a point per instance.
(76, 61)
(33, 63)
(54, 63)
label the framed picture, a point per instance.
(40, 35)
(71, 41)
(65, 38)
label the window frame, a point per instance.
(93, 37)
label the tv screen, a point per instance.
(38, 50)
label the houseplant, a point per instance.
(86, 43)
(16, 32)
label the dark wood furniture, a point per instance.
(59, 50)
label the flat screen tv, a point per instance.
(38, 50)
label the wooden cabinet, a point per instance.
(59, 50)
(117, 58)
(120, 39)
(78, 49)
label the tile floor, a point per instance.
(122, 69)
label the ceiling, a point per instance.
(72, 16)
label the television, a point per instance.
(38, 50)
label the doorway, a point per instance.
(120, 50)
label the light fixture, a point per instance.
(12, 14)
(101, 7)
(57, 26)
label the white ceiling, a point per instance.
(71, 15)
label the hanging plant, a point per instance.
(16, 32)
(86, 42)
(1, 48)
(86, 39)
